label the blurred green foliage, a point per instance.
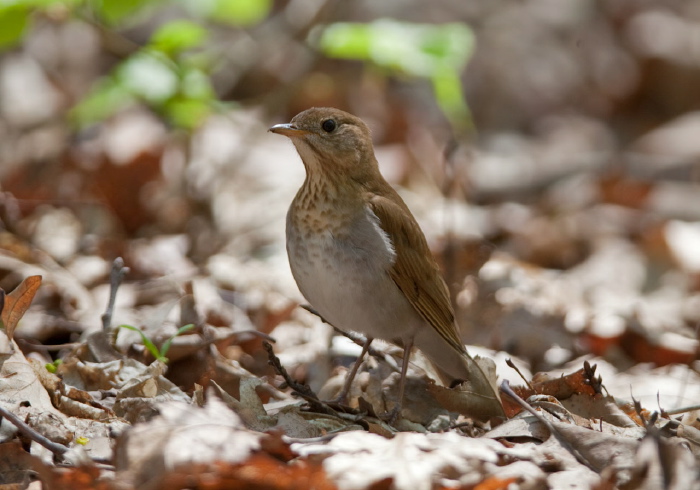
(438, 53)
(163, 74)
(242, 13)
(171, 73)
(13, 22)
(115, 11)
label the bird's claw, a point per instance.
(391, 416)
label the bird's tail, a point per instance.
(475, 376)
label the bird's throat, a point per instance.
(325, 204)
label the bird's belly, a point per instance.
(351, 287)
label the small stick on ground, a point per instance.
(54, 447)
(512, 365)
(298, 389)
(358, 339)
(505, 388)
(115, 279)
(680, 410)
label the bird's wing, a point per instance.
(418, 277)
(415, 271)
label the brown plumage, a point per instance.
(358, 254)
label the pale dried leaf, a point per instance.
(357, 460)
(183, 434)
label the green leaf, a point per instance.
(438, 53)
(451, 44)
(103, 101)
(166, 345)
(187, 113)
(417, 49)
(13, 22)
(240, 12)
(52, 367)
(347, 41)
(150, 76)
(196, 84)
(447, 87)
(146, 341)
(194, 102)
(115, 11)
(45, 4)
(178, 36)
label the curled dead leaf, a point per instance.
(17, 303)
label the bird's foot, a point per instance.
(339, 403)
(392, 415)
(341, 399)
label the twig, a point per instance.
(505, 388)
(115, 279)
(358, 339)
(254, 333)
(512, 365)
(640, 411)
(46, 348)
(595, 383)
(676, 411)
(57, 449)
(312, 440)
(298, 389)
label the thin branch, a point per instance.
(298, 389)
(46, 348)
(679, 410)
(254, 333)
(358, 339)
(512, 365)
(57, 449)
(115, 279)
(505, 388)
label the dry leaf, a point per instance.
(259, 471)
(478, 397)
(17, 303)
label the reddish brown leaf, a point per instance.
(641, 349)
(80, 478)
(578, 382)
(17, 303)
(494, 483)
(620, 189)
(260, 472)
(273, 445)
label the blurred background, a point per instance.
(550, 150)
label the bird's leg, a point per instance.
(342, 397)
(394, 413)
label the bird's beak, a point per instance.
(288, 130)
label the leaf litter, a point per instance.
(575, 257)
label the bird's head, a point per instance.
(331, 140)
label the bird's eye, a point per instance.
(328, 125)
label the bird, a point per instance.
(357, 252)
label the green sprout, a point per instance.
(53, 366)
(158, 354)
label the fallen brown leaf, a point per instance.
(17, 303)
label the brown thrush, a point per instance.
(358, 254)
